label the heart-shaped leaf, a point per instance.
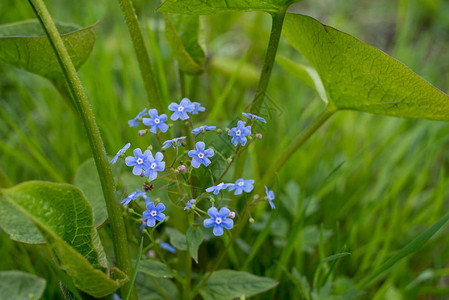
(58, 214)
(155, 268)
(206, 7)
(360, 77)
(229, 284)
(194, 238)
(19, 285)
(24, 45)
(182, 32)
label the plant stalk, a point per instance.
(96, 143)
(143, 58)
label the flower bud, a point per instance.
(150, 147)
(256, 197)
(142, 174)
(232, 215)
(142, 132)
(259, 136)
(227, 130)
(251, 220)
(219, 130)
(182, 168)
(151, 254)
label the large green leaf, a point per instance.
(60, 215)
(360, 77)
(229, 284)
(182, 33)
(148, 290)
(194, 238)
(206, 7)
(155, 268)
(24, 45)
(19, 285)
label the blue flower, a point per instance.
(203, 129)
(217, 188)
(120, 153)
(135, 122)
(154, 213)
(154, 165)
(155, 121)
(116, 297)
(254, 117)
(241, 185)
(133, 196)
(218, 220)
(173, 142)
(189, 204)
(270, 197)
(180, 110)
(239, 133)
(200, 155)
(142, 226)
(198, 108)
(139, 161)
(167, 247)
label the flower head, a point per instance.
(135, 122)
(218, 219)
(133, 196)
(120, 153)
(241, 185)
(173, 142)
(204, 128)
(270, 197)
(156, 121)
(198, 108)
(154, 165)
(200, 155)
(239, 133)
(254, 117)
(189, 204)
(139, 161)
(180, 110)
(154, 213)
(167, 247)
(217, 188)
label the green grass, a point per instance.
(363, 184)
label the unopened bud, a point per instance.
(150, 147)
(259, 136)
(227, 130)
(182, 168)
(229, 160)
(232, 215)
(142, 174)
(151, 254)
(142, 132)
(251, 220)
(212, 200)
(256, 197)
(219, 130)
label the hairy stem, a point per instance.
(96, 143)
(146, 70)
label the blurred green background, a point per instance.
(368, 184)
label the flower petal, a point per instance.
(160, 217)
(224, 212)
(151, 222)
(228, 223)
(212, 212)
(218, 230)
(208, 223)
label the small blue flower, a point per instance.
(254, 117)
(180, 110)
(154, 165)
(217, 188)
(154, 213)
(139, 161)
(116, 297)
(155, 121)
(189, 204)
(133, 196)
(203, 129)
(218, 220)
(200, 155)
(241, 185)
(135, 122)
(239, 133)
(198, 108)
(142, 226)
(173, 142)
(167, 247)
(120, 153)
(270, 197)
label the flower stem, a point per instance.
(142, 55)
(302, 137)
(276, 29)
(96, 143)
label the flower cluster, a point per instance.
(145, 164)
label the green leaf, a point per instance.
(182, 33)
(334, 257)
(63, 218)
(88, 181)
(155, 268)
(177, 239)
(410, 248)
(24, 45)
(359, 77)
(306, 74)
(206, 7)
(147, 290)
(229, 284)
(194, 238)
(19, 285)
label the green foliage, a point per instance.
(182, 32)
(19, 285)
(149, 288)
(64, 220)
(229, 284)
(155, 268)
(360, 77)
(25, 46)
(177, 239)
(194, 238)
